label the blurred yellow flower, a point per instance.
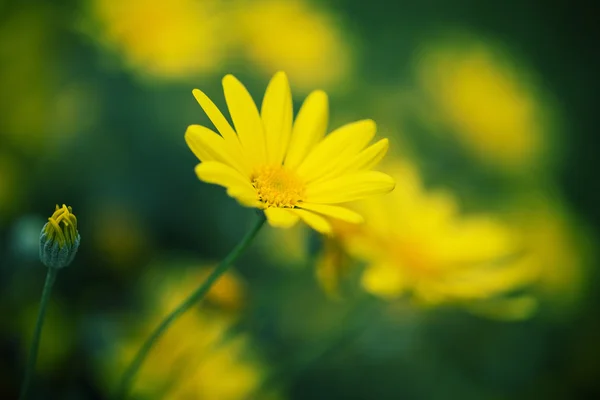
(562, 246)
(296, 37)
(198, 357)
(416, 242)
(291, 171)
(489, 102)
(176, 39)
(169, 291)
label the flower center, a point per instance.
(415, 259)
(277, 186)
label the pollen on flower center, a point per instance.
(277, 186)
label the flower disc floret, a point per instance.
(277, 186)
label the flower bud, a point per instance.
(59, 239)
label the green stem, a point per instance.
(37, 334)
(193, 298)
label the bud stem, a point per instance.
(193, 298)
(37, 334)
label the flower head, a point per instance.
(59, 239)
(207, 357)
(321, 54)
(291, 170)
(417, 242)
(488, 99)
(174, 42)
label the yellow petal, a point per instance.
(202, 152)
(245, 197)
(315, 221)
(224, 175)
(217, 118)
(209, 146)
(349, 187)
(309, 128)
(276, 113)
(369, 157)
(363, 161)
(281, 217)
(384, 280)
(338, 147)
(486, 280)
(341, 213)
(246, 120)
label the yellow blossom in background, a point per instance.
(294, 36)
(196, 359)
(227, 293)
(488, 100)
(199, 357)
(416, 242)
(177, 39)
(562, 246)
(292, 171)
(183, 39)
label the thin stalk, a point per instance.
(192, 299)
(37, 333)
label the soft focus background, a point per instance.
(491, 112)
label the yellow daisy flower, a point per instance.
(321, 54)
(206, 359)
(161, 41)
(418, 242)
(292, 171)
(489, 100)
